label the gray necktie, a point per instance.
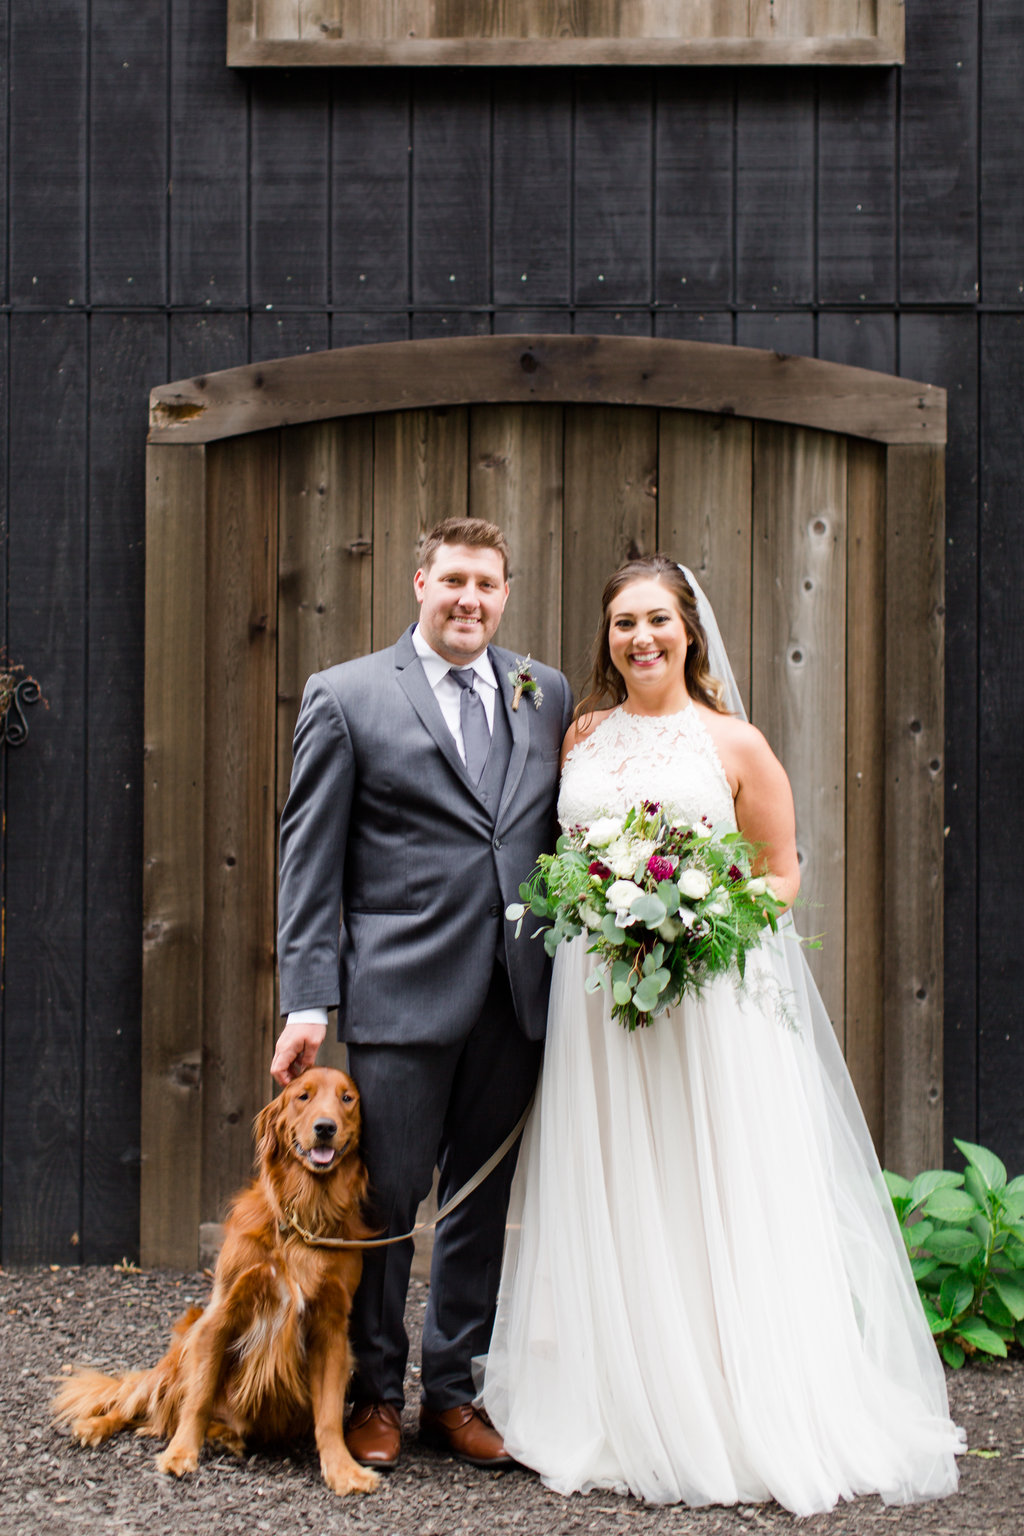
(476, 735)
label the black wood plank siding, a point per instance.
(174, 216)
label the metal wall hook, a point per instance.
(13, 697)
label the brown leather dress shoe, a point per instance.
(464, 1432)
(373, 1435)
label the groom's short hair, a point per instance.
(474, 531)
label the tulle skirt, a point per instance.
(705, 1296)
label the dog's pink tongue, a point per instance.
(322, 1156)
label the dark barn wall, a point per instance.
(168, 216)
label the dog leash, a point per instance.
(290, 1222)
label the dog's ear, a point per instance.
(265, 1132)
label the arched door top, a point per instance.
(620, 370)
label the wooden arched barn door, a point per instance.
(287, 505)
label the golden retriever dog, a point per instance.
(269, 1357)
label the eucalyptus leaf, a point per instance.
(611, 930)
(622, 992)
(649, 910)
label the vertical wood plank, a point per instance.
(939, 154)
(420, 475)
(47, 187)
(612, 189)
(451, 193)
(289, 181)
(532, 188)
(944, 349)
(44, 962)
(862, 341)
(239, 852)
(611, 486)
(705, 486)
(325, 586)
(172, 902)
(798, 670)
(286, 335)
(127, 352)
(1001, 108)
(695, 325)
(515, 480)
(864, 1032)
(531, 322)
(437, 323)
(693, 188)
(128, 195)
(1000, 655)
(209, 163)
(204, 343)
(352, 329)
(612, 322)
(775, 188)
(856, 195)
(913, 808)
(788, 331)
(371, 147)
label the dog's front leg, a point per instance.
(330, 1365)
(201, 1365)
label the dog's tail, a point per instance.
(94, 1406)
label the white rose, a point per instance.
(719, 907)
(620, 895)
(603, 831)
(757, 886)
(694, 885)
(591, 916)
(623, 864)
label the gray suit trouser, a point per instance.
(451, 1106)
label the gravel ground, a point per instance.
(115, 1320)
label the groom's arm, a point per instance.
(314, 834)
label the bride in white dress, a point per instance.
(704, 1296)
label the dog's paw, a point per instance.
(177, 1460)
(351, 1479)
(91, 1430)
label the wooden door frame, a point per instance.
(909, 421)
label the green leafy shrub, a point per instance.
(965, 1236)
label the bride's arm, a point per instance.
(764, 808)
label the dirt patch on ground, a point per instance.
(113, 1321)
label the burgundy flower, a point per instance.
(659, 868)
(652, 807)
(600, 870)
(735, 873)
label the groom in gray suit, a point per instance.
(422, 792)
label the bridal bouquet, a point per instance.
(667, 907)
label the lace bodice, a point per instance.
(629, 758)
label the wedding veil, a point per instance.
(896, 1336)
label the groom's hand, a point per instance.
(297, 1045)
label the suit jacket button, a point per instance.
(495, 911)
(497, 842)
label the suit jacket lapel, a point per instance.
(518, 719)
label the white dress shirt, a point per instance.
(448, 695)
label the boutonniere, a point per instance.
(523, 681)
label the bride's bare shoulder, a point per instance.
(582, 728)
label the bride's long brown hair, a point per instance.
(607, 687)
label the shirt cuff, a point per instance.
(308, 1016)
